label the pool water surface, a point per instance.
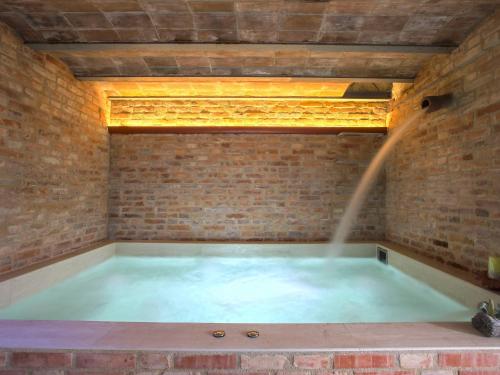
(220, 289)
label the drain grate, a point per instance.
(382, 255)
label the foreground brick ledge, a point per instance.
(308, 340)
(102, 362)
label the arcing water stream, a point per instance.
(365, 184)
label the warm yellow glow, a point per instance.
(237, 101)
(265, 87)
(255, 112)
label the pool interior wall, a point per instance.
(209, 282)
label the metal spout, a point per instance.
(433, 103)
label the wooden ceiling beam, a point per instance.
(244, 130)
(115, 49)
(245, 78)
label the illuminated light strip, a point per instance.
(149, 117)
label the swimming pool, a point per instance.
(224, 283)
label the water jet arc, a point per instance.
(429, 104)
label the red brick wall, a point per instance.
(53, 158)
(443, 181)
(245, 187)
(288, 363)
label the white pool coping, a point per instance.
(273, 337)
(196, 337)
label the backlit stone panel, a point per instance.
(247, 112)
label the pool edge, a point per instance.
(197, 337)
(178, 339)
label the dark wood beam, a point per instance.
(359, 98)
(245, 78)
(111, 49)
(242, 130)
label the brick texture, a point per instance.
(53, 158)
(379, 22)
(264, 361)
(364, 360)
(106, 360)
(244, 62)
(443, 180)
(311, 361)
(40, 359)
(206, 361)
(155, 361)
(474, 360)
(416, 360)
(248, 187)
(250, 112)
(236, 363)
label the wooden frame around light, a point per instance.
(243, 130)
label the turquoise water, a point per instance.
(240, 290)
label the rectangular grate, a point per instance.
(382, 255)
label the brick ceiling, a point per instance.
(407, 22)
(238, 62)
(271, 22)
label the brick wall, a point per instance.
(269, 112)
(336, 363)
(53, 158)
(443, 181)
(245, 187)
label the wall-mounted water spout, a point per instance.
(433, 103)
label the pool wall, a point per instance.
(453, 286)
(27, 284)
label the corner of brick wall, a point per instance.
(54, 157)
(443, 190)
